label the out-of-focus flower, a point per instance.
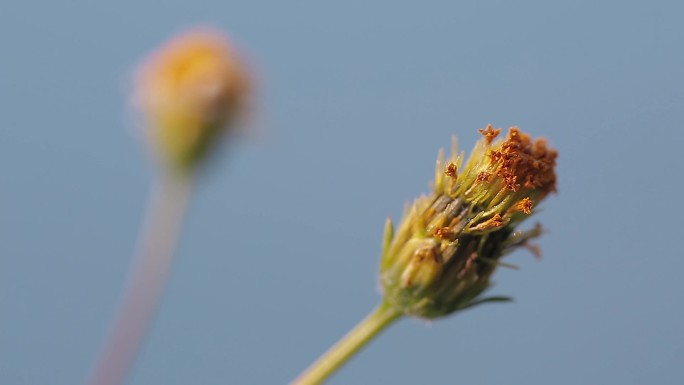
(190, 91)
(450, 242)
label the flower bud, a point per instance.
(189, 92)
(450, 242)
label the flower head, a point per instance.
(190, 90)
(450, 242)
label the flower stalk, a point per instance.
(379, 319)
(149, 274)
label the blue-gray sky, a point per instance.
(279, 257)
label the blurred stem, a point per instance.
(349, 345)
(147, 278)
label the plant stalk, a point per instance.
(348, 346)
(147, 279)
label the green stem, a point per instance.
(147, 279)
(349, 345)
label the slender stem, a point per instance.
(349, 345)
(146, 281)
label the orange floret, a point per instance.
(490, 133)
(520, 161)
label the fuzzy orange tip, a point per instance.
(189, 91)
(521, 161)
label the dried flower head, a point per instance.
(190, 90)
(450, 242)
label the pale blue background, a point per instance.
(280, 254)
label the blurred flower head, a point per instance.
(189, 91)
(450, 242)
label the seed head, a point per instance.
(190, 91)
(451, 241)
